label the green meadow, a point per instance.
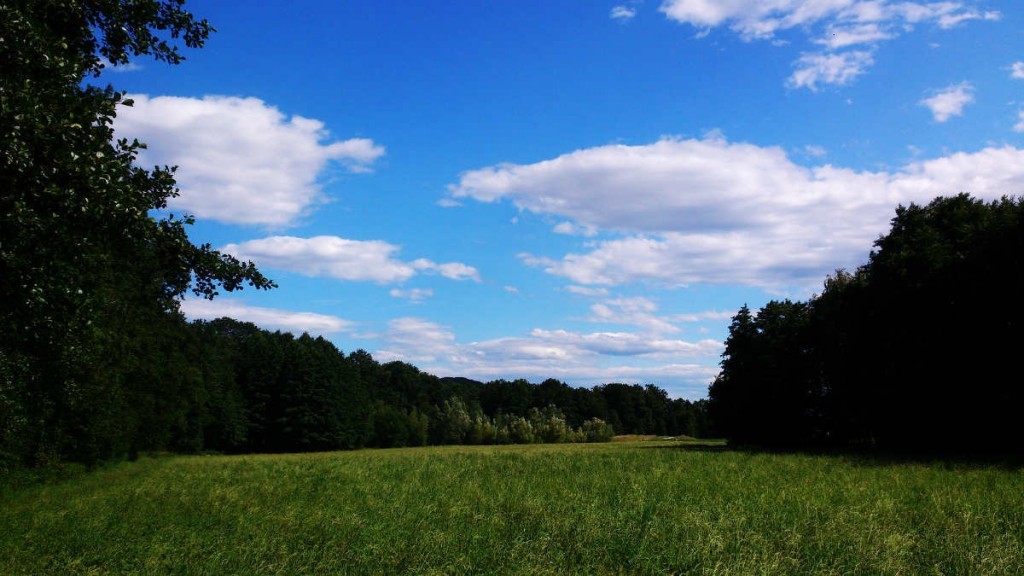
(657, 507)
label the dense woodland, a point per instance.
(232, 387)
(915, 350)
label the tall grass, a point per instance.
(636, 508)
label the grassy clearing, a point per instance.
(645, 507)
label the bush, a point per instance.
(597, 430)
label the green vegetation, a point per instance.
(93, 361)
(914, 351)
(639, 507)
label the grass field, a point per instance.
(618, 508)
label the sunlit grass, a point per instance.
(644, 507)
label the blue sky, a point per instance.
(579, 190)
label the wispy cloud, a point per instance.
(242, 161)
(704, 316)
(761, 19)
(842, 36)
(623, 13)
(268, 318)
(119, 68)
(343, 259)
(636, 311)
(836, 25)
(582, 290)
(816, 69)
(1017, 70)
(814, 151)
(412, 294)
(949, 101)
(573, 229)
(418, 340)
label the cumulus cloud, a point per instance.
(269, 318)
(582, 358)
(242, 161)
(342, 259)
(1017, 70)
(834, 24)
(814, 70)
(949, 101)
(711, 211)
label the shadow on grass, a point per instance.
(864, 457)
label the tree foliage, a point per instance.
(914, 350)
(91, 268)
(302, 394)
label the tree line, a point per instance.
(275, 392)
(229, 386)
(915, 350)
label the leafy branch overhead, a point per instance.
(85, 253)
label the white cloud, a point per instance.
(452, 270)
(669, 185)
(511, 289)
(581, 358)
(1019, 126)
(622, 13)
(573, 229)
(342, 259)
(710, 211)
(1017, 70)
(815, 151)
(762, 19)
(268, 318)
(834, 24)
(417, 340)
(815, 69)
(954, 19)
(949, 101)
(637, 311)
(242, 161)
(704, 316)
(625, 344)
(129, 67)
(586, 291)
(413, 294)
(841, 37)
